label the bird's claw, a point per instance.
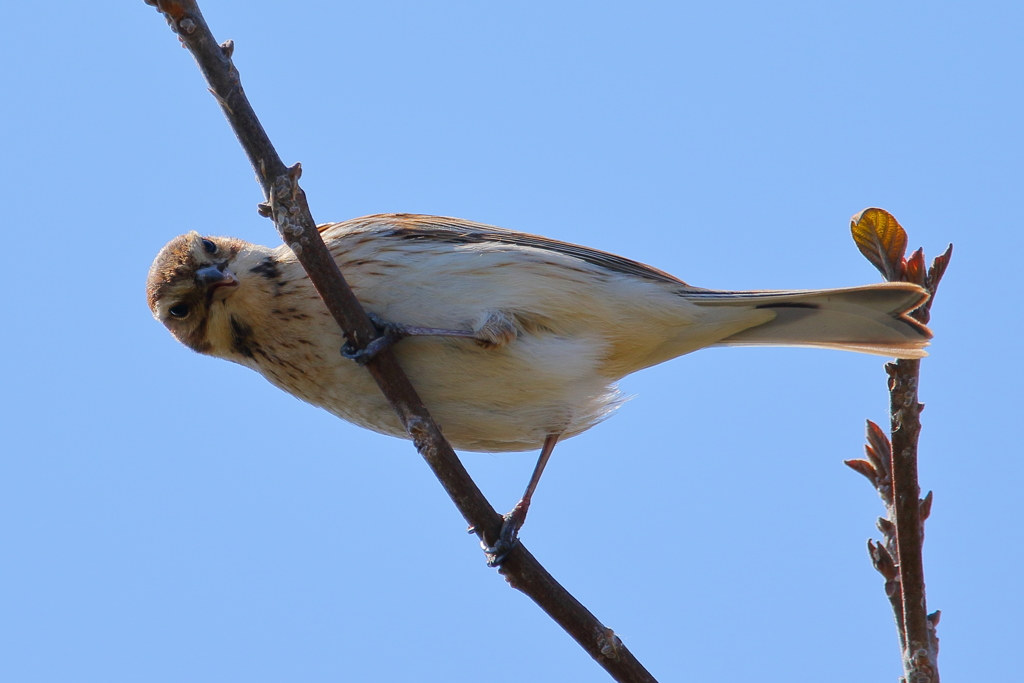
(508, 539)
(388, 334)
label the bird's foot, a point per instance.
(508, 538)
(388, 334)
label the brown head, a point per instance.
(189, 276)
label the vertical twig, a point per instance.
(891, 466)
(287, 206)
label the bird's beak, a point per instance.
(218, 281)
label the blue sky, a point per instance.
(170, 517)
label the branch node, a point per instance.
(221, 101)
(608, 643)
(887, 528)
(926, 506)
(419, 431)
(282, 188)
(883, 562)
(227, 48)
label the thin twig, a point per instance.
(905, 416)
(891, 466)
(287, 206)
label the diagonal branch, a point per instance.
(287, 206)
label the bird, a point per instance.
(513, 341)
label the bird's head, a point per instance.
(189, 277)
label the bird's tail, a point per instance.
(869, 319)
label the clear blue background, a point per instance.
(171, 517)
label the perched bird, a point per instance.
(528, 334)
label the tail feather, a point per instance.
(869, 319)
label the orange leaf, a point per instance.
(882, 241)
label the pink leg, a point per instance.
(515, 519)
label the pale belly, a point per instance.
(484, 399)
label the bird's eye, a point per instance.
(178, 310)
(209, 246)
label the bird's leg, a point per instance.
(392, 333)
(514, 520)
(496, 328)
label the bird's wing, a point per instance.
(457, 231)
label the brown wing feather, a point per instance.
(458, 231)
